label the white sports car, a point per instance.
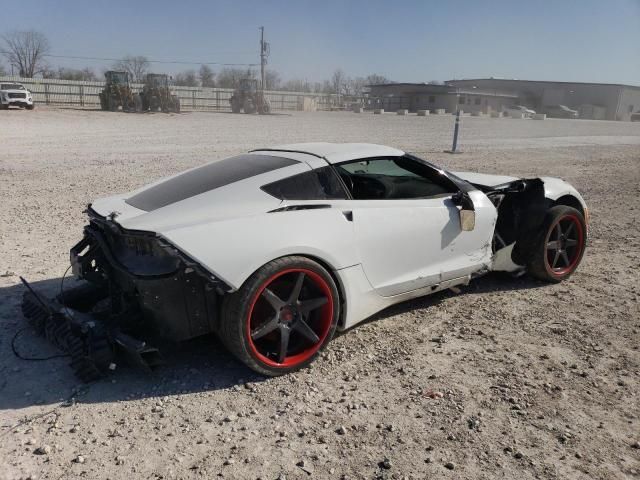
(276, 249)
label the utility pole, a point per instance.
(264, 53)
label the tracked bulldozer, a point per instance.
(248, 98)
(156, 94)
(117, 93)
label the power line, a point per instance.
(174, 62)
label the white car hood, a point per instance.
(485, 179)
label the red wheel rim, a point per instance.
(289, 317)
(564, 243)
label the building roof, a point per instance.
(442, 89)
(337, 152)
(539, 81)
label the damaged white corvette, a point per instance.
(276, 249)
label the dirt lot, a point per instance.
(538, 381)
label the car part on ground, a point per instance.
(276, 249)
(156, 95)
(249, 98)
(15, 95)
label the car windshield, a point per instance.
(12, 86)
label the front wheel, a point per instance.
(561, 245)
(282, 317)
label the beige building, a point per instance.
(600, 101)
(422, 96)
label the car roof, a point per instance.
(336, 152)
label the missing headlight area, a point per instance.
(136, 291)
(521, 209)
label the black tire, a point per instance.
(307, 319)
(265, 108)
(112, 104)
(31, 107)
(248, 106)
(137, 103)
(560, 246)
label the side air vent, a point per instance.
(290, 208)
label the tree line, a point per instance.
(26, 51)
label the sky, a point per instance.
(404, 40)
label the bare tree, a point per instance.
(296, 85)
(86, 74)
(338, 81)
(272, 80)
(375, 79)
(3, 72)
(26, 50)
(207, 77)
(230, 77)
(186, 79)
(136, 66)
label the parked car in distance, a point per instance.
(635, 117)
(515, 110)
(14, 94)
(560, 111)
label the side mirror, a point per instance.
(467, 211)
(467, 220)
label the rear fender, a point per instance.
(233, 249)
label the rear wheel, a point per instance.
(113, 104)
(561, 245)
(137, 103)
(249, 106)
(282, 316)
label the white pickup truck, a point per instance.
(14, 94)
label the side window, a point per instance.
(393, 178)
(320, 184)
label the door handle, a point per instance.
(348, 214)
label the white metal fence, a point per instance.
(78, 94)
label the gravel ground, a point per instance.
(510, 378)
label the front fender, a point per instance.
(554, 188)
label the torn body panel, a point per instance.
(137, 291)
(521, 206)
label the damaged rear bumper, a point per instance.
(138, 290)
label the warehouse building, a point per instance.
(598, 101)
(422, 96)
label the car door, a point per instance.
(408, 243)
